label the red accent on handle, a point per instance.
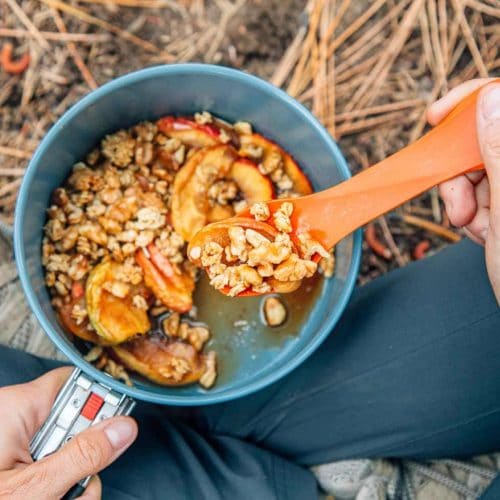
(92, 406)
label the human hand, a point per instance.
(473, 200)
(23, 409)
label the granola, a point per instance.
(115, 243)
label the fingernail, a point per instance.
(120, 433)
(490, 103)
(484, 233)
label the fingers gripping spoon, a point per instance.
(448, 150)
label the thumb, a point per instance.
(488, 130)
(85, 455)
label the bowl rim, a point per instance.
(20, 257)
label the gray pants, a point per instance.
(412, 370)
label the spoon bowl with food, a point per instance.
(274, 245)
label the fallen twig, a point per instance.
(432, 227)
(17, 153)
(77, 58)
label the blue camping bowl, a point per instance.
(183, 89)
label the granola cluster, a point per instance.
(115, 244)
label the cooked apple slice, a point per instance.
(161, 360)
(301, 183)
(169, 286)
(190, 205)
(254, 186)
(114, 319)
(189, 132)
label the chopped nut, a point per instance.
(145, 131)
(285, 183)
(238, 242)
(265, 269)
(310, 247)
(128, 236)
(171, 324)
(149, 218)
(75, 215)
(60, 197)
(272, 163)
(262, 288)
(69, 239)
(110, 226)
(144, 238)
(327, 265)
(50, 279)
(203, 118)
(94, 232)
(295, 269)
(255, 238)
(243, 128)
(54, 230)
(274, 311)
(211, 254)
(119, 148)
(140, 302)
(58, 263)
(224, 137)
(95, 209)
(94, 354)
(79, 313)
(195, 253)
(208, 378)
(128, 249)
(61, 288)
(143, 154)
(79, 268)
(84, 178)
(282, 217)
(222, 192)
(110, 195)
(252, 151)
(260, 211)
(197, 336)
(93, 157)
(117, 288)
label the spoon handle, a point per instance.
(448, 150)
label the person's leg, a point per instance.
(171, 460)
(412, 370)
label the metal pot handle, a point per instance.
(81, 402)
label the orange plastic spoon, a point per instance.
(448, 150)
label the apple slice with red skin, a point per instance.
(254, 186)
(189, 132)
(190, 205)
(173, 289)
(300, 182)
(151, 356)
(191, 209)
